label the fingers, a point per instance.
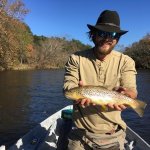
(84, 102)
(120, 89)
(122, 107)
(128, 92)
(110, 105)
(116, 106)
(81, 83)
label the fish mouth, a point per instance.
(67, 96)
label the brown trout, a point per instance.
(101, 96)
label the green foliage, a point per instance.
(140, 52)
(38, 39)
(75, 45)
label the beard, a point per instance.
(104, 48)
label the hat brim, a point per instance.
(106, 28)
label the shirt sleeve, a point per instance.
(71, 77)
(128, 74)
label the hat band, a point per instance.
(110, 24)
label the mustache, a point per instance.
(100, 43)
(104, 41)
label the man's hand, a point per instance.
(116, 106)
(125, 91)
(128, 92)
(83, 102)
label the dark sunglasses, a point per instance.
(112, 35)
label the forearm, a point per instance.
(69, 83)
(128, 80)
(71, 77)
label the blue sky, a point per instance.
(70, 18)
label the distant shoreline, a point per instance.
(22, 67)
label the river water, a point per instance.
(29, 97)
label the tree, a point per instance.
(140, 52)
(13, 8)
(15, 36)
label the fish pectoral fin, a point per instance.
(104, 108)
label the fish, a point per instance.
(101, 96)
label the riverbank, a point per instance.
(28, 67)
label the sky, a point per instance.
(69, 18)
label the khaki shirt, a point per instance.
(115, 70)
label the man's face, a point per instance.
(104, 45)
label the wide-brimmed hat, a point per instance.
(108, 21)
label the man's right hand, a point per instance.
(83, 102)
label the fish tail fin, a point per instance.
(139, 107)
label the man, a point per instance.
(96, 128)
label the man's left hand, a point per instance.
(128, 92)
(125, 91)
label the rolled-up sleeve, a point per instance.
(128, 74)
(71, 77)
